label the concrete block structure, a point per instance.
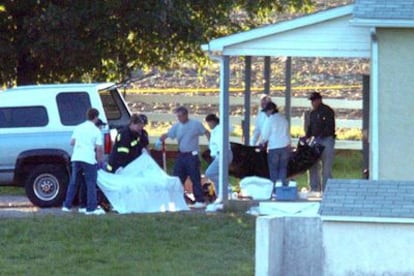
(363, 227)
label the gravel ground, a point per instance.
(21, 207)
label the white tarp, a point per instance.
(142, 187)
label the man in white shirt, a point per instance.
(260, 119)
(87, 152)
(276, 134)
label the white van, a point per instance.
(36, 123)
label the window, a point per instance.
(28, 116)
(109, 101)
(73, 107)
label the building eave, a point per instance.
(382, 23)
(218, 45)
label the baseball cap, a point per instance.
(314, 96)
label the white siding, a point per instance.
(396, 103)
(333, 38)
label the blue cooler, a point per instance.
(286, 193)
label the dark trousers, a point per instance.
(186, 165)
(89, 172)
(278, 160)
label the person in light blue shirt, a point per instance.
(187, 164)
(212, 171)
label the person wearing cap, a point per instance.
(260, 119)
(87, 152)
(100, 124)
(322, 128)
(187, 164)
(129, 143)
(276, 135)
(212, 171)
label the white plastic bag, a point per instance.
(258, 188)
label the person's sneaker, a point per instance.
(214, 207)
(82, 210)
(98, 211)
(65, 209)
(198, 205)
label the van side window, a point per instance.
(73, 107)
(26, 116)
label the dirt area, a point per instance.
(20, 207)
(307, 73)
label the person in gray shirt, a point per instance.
(187, 164)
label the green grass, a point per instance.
(188, 243)
(9, 190)
(347, 164)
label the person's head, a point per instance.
(212, 120)
(182, 114)
(93, 115)
(100, 124)
(137, 122)
(316, 99)
(270, 108)
(264, 99)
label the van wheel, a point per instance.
(46, 185)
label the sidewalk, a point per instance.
(21, 207)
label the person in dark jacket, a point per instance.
(129, 143)
(322, 128)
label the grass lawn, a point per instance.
(186, 243)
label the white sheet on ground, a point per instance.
(142, 187)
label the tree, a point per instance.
(84, 40)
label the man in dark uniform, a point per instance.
(129, 143)
(322, 128)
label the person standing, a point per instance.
(129, 143)
(87, 153)
(322, 128)
(212, 171)
(276, 135)
(260, 119)
(187, 132)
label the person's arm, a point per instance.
(171, 133)
(73, 138)
(99, 153)
(256, 132)
(264, 137)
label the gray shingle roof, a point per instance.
(384, 9)
(368, 198)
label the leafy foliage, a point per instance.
(57, 41)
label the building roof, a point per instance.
(384, 13)
(322, 34)
(368, 198)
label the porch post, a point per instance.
(224, 121)
(247, 98)
(288, 92)
(267, 75)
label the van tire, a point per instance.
(46, 185)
